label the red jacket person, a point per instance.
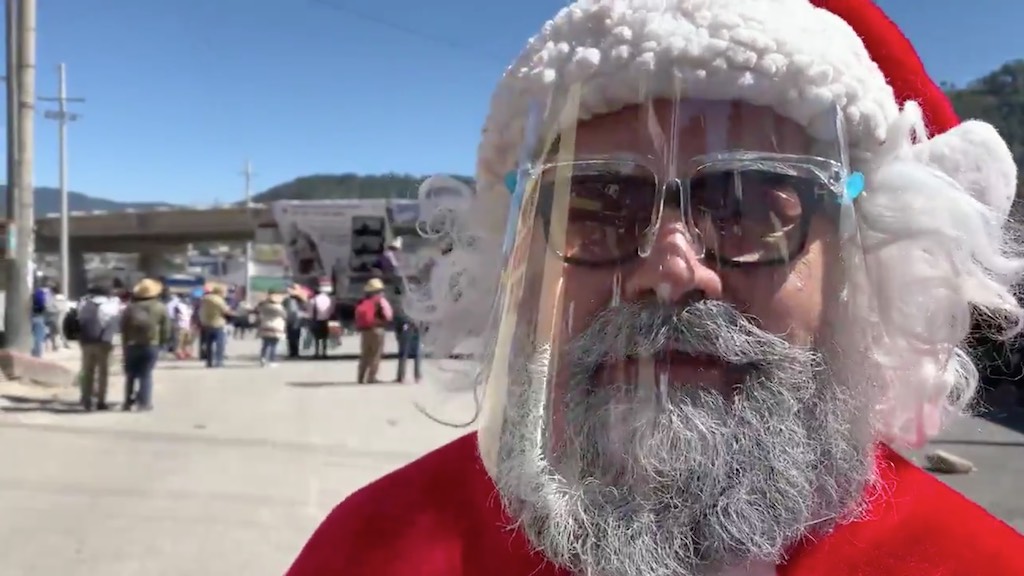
(735, 247)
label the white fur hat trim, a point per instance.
(787, 54)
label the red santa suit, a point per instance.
(441, 515)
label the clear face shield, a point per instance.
(671, 266)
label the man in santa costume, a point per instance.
(736, 246)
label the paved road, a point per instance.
(235, 467)
(229, 475)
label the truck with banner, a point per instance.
(341, 241)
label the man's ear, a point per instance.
(975, 156)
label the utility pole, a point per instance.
(247, 174)
(16, 299)
(20, 26)
(11, 78)
(63, 117)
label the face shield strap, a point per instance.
(517, 180)
(550, 307)
(513, 317)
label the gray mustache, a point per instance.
(706, 327)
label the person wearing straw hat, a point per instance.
(272, 318)
(214, 313)
(722, 262)
(372, 315)
(145, 330)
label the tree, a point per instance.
(323, 186)
(997, 98)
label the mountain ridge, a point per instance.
(47, 201)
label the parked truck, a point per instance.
(343, 240)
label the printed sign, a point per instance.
(318, 235)
(344, 239)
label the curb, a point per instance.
(19, 366)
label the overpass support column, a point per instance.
(151, 263)
(78, 281)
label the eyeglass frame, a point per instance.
(831, 178)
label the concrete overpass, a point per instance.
(134, 231)
(150, 234)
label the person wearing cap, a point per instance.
(321, 312)
(723, 258)
(387, 263)
(386, 268)
(373, 313)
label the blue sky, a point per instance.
(181, 92)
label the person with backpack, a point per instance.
(373, 314)
(98, 323)
(145, 330)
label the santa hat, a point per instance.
(799, 57)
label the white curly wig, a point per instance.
(933, 219)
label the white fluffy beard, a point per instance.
(692, 482)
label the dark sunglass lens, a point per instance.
(605, 216)
(749, 215)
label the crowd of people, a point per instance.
(150, 322)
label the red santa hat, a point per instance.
(800, 57)
(796, 56)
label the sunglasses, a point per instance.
(740, 214)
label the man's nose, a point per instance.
(673, 271)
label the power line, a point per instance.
(464, 49)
